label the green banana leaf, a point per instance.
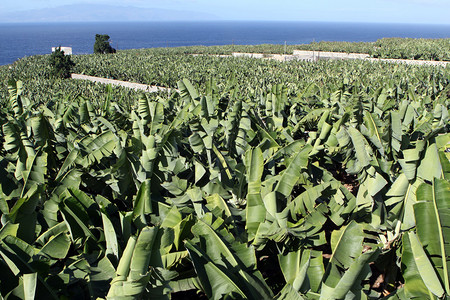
(294, 266)
(432, 214)
(255, 210)
(224, 266)
(424, 266)
(414, 287)
(291, 175)
(133, 273)
(349, 262)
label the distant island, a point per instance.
(102, 13)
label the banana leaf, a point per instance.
(349, 262)
(225, 267)
(432, 214)
(255, 210)
(133, 273)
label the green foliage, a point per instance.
(417, 49)
(395, 48)
(61, 65)
(275, 185)
(101, 45)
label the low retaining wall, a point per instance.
(215, 55)
(252, 55)
(304, 55)
(131, 85)
(315, 55)
(281, 57)
(278, 57)
(412, 62)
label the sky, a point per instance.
(376, 11)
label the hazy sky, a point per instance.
(396, 11)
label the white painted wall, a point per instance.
(252, 55)
(315, 55)
(67, 50)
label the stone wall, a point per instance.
(412, 62)
(316, 55)
(252, 55)
(131, 85)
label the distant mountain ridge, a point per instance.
(102, 13)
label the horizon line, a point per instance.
(218, 21)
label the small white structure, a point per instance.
(252, 55)
(316, 55)
(67, 50)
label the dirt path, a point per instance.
(131, 85)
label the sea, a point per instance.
(26, 39)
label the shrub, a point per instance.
(102, 45)
(61, 64)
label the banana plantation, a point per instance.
(256, 180)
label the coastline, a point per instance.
(27, 39)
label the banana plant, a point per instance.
(428, 247)
(224, 267)
(134, 271)
(255, 179)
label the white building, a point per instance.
(67, 50)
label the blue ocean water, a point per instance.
(19, 40)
